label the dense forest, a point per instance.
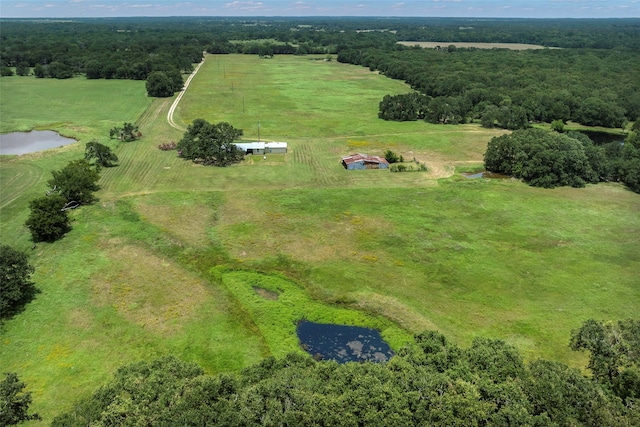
(593, 83)
(432, 382)
(592, 87)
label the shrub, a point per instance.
(391, 157)
(167, 146)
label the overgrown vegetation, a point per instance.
(392, 157)
(127, 132)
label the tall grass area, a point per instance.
(183, 259)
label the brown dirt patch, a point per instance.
(148, 290)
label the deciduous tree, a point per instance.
(100, 154)
(77, 181)
(16, 287)
(47, 220)
(161, 85)
(211, 144)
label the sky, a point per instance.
(432, 8)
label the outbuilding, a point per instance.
(275, 147)
(262, 147)
(364, 161)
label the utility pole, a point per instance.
(258, 130)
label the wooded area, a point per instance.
(593, 81)
(432, 382)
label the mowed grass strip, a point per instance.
(289, 96)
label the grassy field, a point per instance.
(75, 107)
(169, 259)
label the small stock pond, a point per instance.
(30, 142)
(342, 343)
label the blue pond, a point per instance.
(342, 343)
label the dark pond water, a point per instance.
(30, 142)
(343, 343)
(485, 174)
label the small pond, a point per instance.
(485, 174)
(30, 142)
(342, 343)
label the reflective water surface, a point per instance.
(30, 142)
(342, 343)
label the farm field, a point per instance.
(166, 261)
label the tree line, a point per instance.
(550, 159)
(128, 48)
(565, 33)
(430, 382)
(506, 88)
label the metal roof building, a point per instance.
(364, 161)
(262, 147)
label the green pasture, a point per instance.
(182, 259)
(75, 107)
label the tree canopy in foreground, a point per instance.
(14, 401)
(431, 383)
